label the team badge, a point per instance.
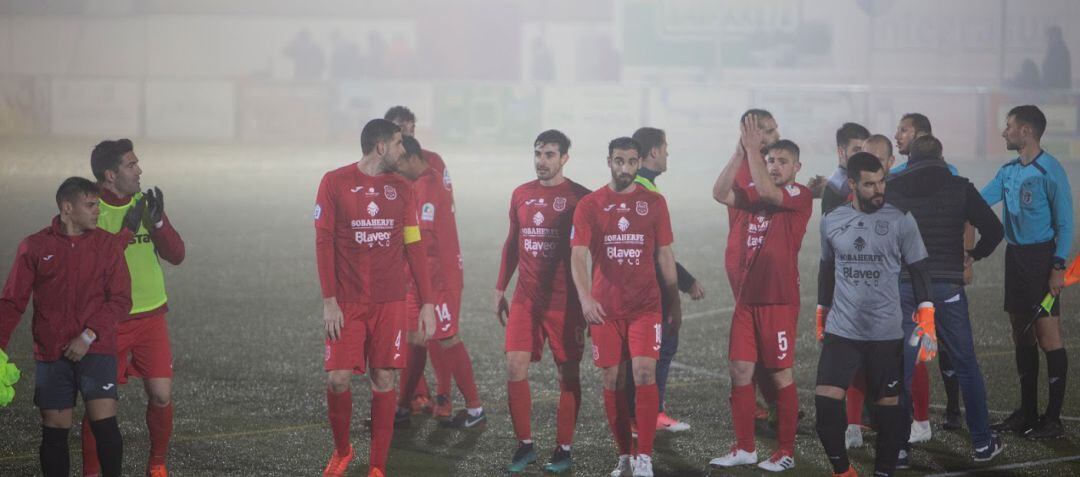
(427, 212)
(318, 211)
(881, 227)
(623, 224)
(390, 192)
(859, 244)
(538, 219)
(642, 208)
(1026, 196)
(560, 204)
(372, 209)
(446, 182)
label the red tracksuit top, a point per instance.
(77, 282)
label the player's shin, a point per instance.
(646, 409)
(519, 398)
(1027, 366)
(787, 406)
(110, 445)
(567, 413)
(890, 420)
(830, 429)
(1057, 368)
(382, 427)
(159, 423)
(618, 415)
(55, 460)
(742, 416)
(339, 411)
(463, 374)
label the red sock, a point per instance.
(856, 394)
(618, 415)
(421, 385)
(645, 410)
(442, 366)
(339, 410)
(520, 401)
(415, 359)
(742, 416)
(90, 462)
(382, 427)
(566, 416)
(920, 393)
(787, 409)
(458, 358)
(159, 423)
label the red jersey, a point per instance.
(539, 244)
(362, 224)
(77, 282)
(762, 257)
(441, 189)
(623, 233)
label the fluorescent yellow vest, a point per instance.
(147, 280)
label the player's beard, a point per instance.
(546, 173)
(621, 181)
(871, 205)
(1012, 146)
(388, 164)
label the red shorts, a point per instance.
(372, 336)
(528, 327)
(765, 334)
(619, 340)
(447, 311)
(142, 349)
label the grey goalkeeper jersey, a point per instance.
(868, 251)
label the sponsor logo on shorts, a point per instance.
(560, 204)
(781, 356)
(108, 386)
(659, 329)
(390, 192)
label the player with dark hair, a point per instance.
(545, 305)
(768, 220)
(142, 339)
(654, 150)
(849, 140)
(81, 288)
(943, 204)
(1038, 217)
(449, 356)
(911, 126)
(864, 245)
(626, 230)
(366, 229)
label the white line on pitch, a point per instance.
(1018, 465)
(1006, 413)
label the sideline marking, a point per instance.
(1018, 465)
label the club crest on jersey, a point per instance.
(390, 192)
(642, 208)
(859, 244)
(560, 204)
(427, 212)
(318, 211)
(372, 209)
(881, 227)
(538, 219)
(623, 224)
(446, 182)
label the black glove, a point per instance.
(155, 205)
(134, 216)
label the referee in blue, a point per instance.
(1038, 218)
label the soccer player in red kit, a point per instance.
(626, 230)
(545, 306)
(449, 357)
(769, 217)
(365, 230)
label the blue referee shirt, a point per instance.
(1038, 202)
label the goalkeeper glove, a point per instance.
(822, 312)
(925, 334)
(9, 375)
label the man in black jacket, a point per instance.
(941, 203)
